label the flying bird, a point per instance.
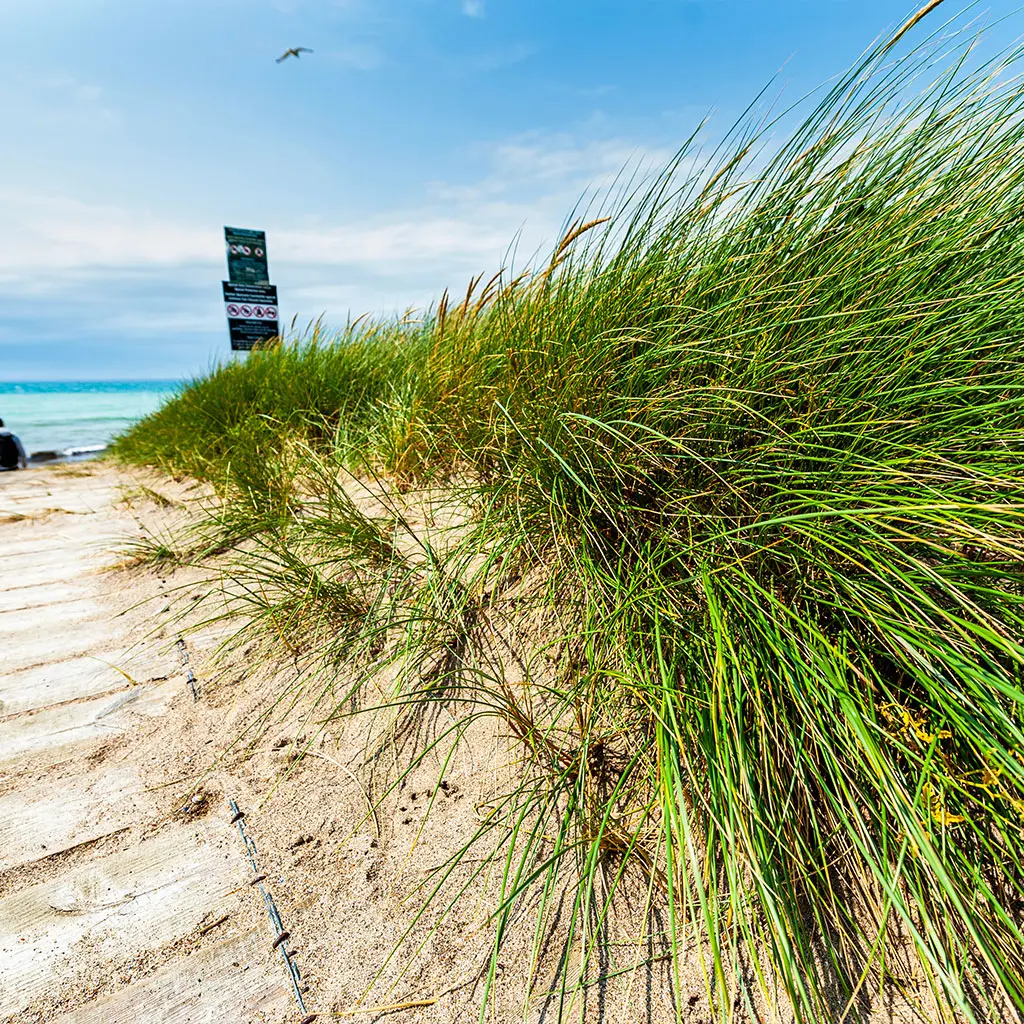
(295, 51)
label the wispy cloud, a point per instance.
(532, 179)
(496, 59)
(359, 56)
(57, 97)
(553, 167)
(49, 233)
(108, 271)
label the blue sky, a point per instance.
(402, 156)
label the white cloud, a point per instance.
(122, 268)
(541, 169)
(473, 8)
(532, 180)
(395, 243)
(48, 232)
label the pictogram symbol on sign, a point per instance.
(246, 310)
(270, 312)
(257, 311)
(232, 309)
(259, 251)
(246, 250)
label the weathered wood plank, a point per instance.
(58, 815)
(86, 535)
(50, 567)
(50, 570)
(137, 899)
(32, 689)
(42, 594)
(59, 615)
(55, 732)
(41, 497)
(232, 981)
(42, 686)
(49, 643)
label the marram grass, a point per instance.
(744, 464)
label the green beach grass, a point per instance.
(742, 469)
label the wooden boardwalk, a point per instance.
(110, 910)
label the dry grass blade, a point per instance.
(411, 1004)
(370, 809)
(910, 23)
(561, 250)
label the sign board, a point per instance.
(247, 256)
(252, 314)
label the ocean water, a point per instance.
(56, 416)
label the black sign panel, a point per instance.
(252, 314)
(247, 256)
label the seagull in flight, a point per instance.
(295, 51)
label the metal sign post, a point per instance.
(250, 300)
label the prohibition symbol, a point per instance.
(259, 251)
(270, 313)
(257, 311)
(246, 310)
(233, 310)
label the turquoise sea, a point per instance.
(62, 415)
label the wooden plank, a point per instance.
(56, 615)
(86, 535)
(233, 980)
(54, 733)
(42, 686)
(49, 643)
(67, 495)
(122, 904)
(12, 565)
(41, 594)
(53, 816)
(49, 567)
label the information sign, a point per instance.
(252, 314)
(247, 256)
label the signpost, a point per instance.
(247, 256)
(252, 314)
(250, 300)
